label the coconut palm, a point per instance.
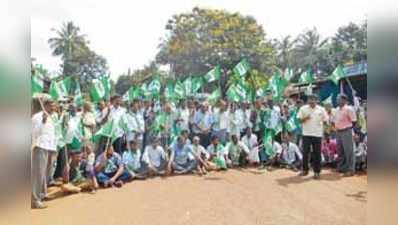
(285, 48)
(68, 43)
(308, 46)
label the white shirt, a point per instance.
(291, 152)
(116, 114)
(43, 134)
(314, 125)
(153, 156)
(251, 141)
(184, 116)
(221, 120)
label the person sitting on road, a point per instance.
(181, 158)
(237, 152)
(250, 140)
(217, 153)
(155, 158)
(291, 156)
(132, 161)
(110, 169)
(202, 157)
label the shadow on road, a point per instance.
(359, 196)
(299, 180)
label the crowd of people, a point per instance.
(193, 137)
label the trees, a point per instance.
(199, 40)
(285, 48)
(77, 58)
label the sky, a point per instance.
(127, 33)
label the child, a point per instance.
(329, 151)
(360, 151)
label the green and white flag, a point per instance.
(60, 89)
(292, 123)
(242, 68)
(337, 74)
(144, 90)
(37, 82)
(196, 84)
(107, 130)
(179, 90)
(131, 94)
(277, 87)
(169, 91)
(232, 94)
(288, 74)
(154, 87)
(105, 80)
(306, 77)
(97, 91)
(159, 122)
(213, 74)
(78, 98)
(268, 142)
(188, 86)
(241, 91)
(214, 96)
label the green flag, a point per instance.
(169, 91)
(144, 90)
(78, 98)
(214, 96)
(154, 87)
(97, 91)
(232, 94)
(196, 84)
(277, 87)
(242, 68)
(242, 91)
(37, 82)
(107, 130)
(288, 74)
(60, 89)
(292, 123)
(188, 86)
(306, 77)
(130, 94)
(268, 142)
(159, 122)
(106, 83)
(179, 90)
(213, 74)
(337, 74)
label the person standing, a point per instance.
(345, 117)
(312, 117)
(43, 141)
(116, 114)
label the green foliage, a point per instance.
(77, 58)
(199, 40)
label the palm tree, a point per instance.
(308, 47)
(285, 51)
(67, 44)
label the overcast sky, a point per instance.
(127, 33)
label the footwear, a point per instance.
(303, 173)
(38, 205)
(317, 176)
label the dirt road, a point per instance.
(235, 197)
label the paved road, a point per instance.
(235, 197)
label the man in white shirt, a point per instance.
(43, 140)
(290, 156)
(250, 140)
(117, 112)
(221, 122)
(136, 125)
(155, 158)
(312, 117)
